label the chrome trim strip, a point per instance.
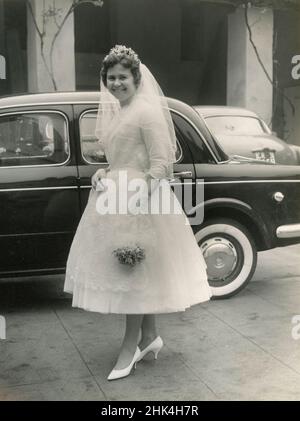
(171, 184)
(49, 103)
(35, 234)
(248, 181)
(185, 183)
(40, 188)
(288, 231)
(42, 112)
(31, 272)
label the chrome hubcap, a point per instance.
(220, 256)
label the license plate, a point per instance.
(268, 156)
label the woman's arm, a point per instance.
(156, 138)
(100, 173)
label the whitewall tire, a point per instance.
(230, 254)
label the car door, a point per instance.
(90, 159)
(199, 156)
(39, 195)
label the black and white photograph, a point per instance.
(149, 203)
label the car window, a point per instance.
(89, 142)
(194, 140)
(249, 137)
(235, 125)
(28, 139)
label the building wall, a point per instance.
(168, 36)
(291, 119)
(247, 84)
(157, 32)
(184, 42)
(50, 69)
(287, 96)
(92, 32)
(13, 46)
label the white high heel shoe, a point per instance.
(154, 347)
(118, 374)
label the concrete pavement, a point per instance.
(236, 349)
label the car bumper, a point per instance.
(288, 231)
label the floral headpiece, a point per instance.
(122, 50)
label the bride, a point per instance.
(136, 263)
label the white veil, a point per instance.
(149, 90)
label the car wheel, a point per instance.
(230, 254)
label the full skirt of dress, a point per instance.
(171, 278)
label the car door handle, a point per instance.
(183, 174)
(180, 174)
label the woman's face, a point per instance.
(120, 83)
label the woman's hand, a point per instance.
(152, 183)
(96, 178)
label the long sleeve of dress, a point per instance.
(153, 132)
(100, 143)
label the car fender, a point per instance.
(243, 213)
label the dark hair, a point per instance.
(125, 56)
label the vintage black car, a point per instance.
(242, 132)
(48, 153)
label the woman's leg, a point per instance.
(128, 348)
(149, 332)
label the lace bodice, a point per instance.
(135, 140)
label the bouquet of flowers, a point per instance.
(129, 255)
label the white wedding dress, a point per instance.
(172, 277)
